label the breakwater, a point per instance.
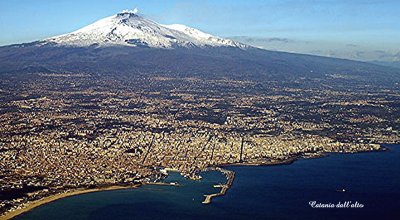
(230, 176)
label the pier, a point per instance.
(230, 176)
(162, 183)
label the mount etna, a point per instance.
(127, 43)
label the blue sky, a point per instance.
(351, 28)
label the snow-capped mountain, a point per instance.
(128, 44)
(129, 29)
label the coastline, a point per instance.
(294, 158)
(79, 191)
(208, 198)
(287, 161)
(34, 204)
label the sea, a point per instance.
(339, 186)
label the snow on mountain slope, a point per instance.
(129, 29)
(203, 37)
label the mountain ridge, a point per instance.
(190, 56)
(127, 28)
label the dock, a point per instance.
(230, 176)
(162, 183)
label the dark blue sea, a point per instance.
(271, 192)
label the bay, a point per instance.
(263, 192)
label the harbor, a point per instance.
(230, 176)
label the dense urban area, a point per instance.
(61, 131)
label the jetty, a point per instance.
(230, 176)
(162, 183)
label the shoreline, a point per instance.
(208, 198)
(79, 191)
(45, 200)
(294, 158)
(287, 161)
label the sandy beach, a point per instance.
(31, 205)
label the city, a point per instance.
(67, 131)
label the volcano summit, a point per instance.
(129, 29)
